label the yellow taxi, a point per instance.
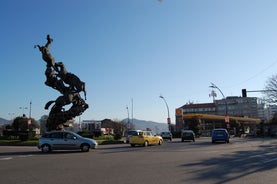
(145, 138)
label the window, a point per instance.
(68, 136)
(147, 133)
(58, 135)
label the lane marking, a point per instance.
(7, 158)
(24, 156)
(19, 156)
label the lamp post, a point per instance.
(30, 112)
(226, 106)
(23, 109)
(128, 123)
(168, 117)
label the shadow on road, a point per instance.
(235, 166)
(128, 148)
(19, 153)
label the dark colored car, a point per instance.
(220, 135)
(188, 135)
(166, 135)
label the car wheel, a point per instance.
(193, 140)
(45, 148)
(227, 141)
(85, 147)
(145, 143)
(133, 145)
(160, 142)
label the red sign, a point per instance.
(168, 121)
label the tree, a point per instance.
(21, 124)
(271, 89)
(274, 119)
(118, 126)
(43, 121)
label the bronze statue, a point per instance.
(46, 56)
(72, 80)
(68, 84)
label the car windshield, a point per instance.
(187, 133)
(216, 132)
(132, 133)
(76, 135)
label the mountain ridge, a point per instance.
(144, 124)
(156, 127)
(3, 121)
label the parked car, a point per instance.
(188, 135)
(145, 138)
(130, 133)
(166, 135)
(65, 140)
(220, 134)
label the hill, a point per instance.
(154, 126)
(3, 121)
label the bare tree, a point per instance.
(271, 89)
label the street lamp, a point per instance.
(23, 109)
(168, 117)
(226, 106)
(128, 123)
(214, 86)
(30, 112)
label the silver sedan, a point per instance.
(65, 140)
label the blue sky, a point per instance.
(136, 50)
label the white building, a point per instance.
(271, 110)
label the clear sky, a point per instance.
(136, 50)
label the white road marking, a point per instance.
(23, 156)
(7, 158)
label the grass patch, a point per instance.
(107, 139)
(18, 142)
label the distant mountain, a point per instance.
(3, 121)
(154, 126)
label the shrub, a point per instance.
(86, 134)
(117, 137)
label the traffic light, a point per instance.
(244, 93)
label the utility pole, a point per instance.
(30, 112)
(168, 116)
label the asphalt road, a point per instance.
(242, 161)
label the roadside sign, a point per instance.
(168, 121)
(227, 119)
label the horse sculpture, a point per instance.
(68, 84)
